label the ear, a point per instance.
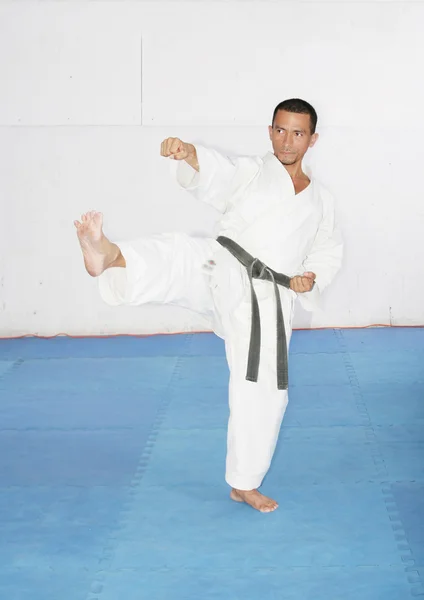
(270, 131)
(314, 140)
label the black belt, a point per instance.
(257, 270)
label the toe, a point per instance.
(271, 506)
(97, 219)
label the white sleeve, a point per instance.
(212, 183)
(325, 257)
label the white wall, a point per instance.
(89, 90)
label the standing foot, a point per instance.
(255, 499)
(98, 252)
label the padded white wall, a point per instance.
(89, 90)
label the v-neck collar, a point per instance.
(273, 161)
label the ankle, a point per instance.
(116, 258)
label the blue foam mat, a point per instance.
(383, 340)
(366, 583)
(397, 403)
(72, 457)
(389, 367)
(45, 582)
(94, 374)
(72, 409)
(409, 498)
(328, 527)
(57, 526)
(5, 366)
(112, 457)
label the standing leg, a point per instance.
(256, 409)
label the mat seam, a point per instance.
(106, 559)
(412, 574)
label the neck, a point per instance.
(295, 171)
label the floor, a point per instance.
(112, 460)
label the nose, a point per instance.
(287, 142)
(289, 139)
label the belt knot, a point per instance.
(259, 269)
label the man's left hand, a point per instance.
(302, 283)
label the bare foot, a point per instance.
(255, 499)
(98, 252)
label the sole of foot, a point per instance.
(90, 236)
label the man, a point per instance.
(272, 212)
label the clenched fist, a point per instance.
(178, 150)
(303, 283)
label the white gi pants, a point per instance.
(169, 269)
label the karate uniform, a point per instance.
(289, 233)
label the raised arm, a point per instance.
(205, 173)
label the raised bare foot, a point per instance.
(255, 499)
(95, 247)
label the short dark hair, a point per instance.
(296, 105)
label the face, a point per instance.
(291, 136)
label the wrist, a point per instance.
(192, 159)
